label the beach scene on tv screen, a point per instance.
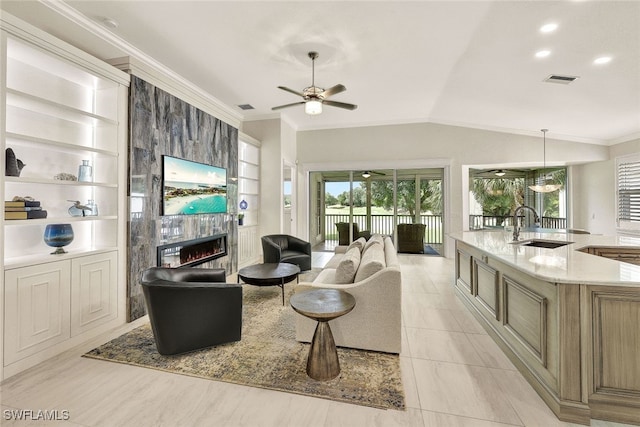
(193, 188)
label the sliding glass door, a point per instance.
(375, 202)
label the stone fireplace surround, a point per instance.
(162, 124)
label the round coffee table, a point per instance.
(323, 305)
(269, 274)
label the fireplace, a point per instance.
(192, 252)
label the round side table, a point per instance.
(323, 305)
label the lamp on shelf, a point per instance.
(543, 184)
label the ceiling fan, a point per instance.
(314, 97)
(367, 174)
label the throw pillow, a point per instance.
(372, 261)
(375, 239)
(348, 266)
(358, 244)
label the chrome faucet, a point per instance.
(516, 229)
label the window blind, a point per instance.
(628, 191)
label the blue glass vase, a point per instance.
(58, 236)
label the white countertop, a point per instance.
(560, 265)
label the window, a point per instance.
(628, 192)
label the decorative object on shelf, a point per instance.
(544, 184)
(243, 206)
(63, 176)
(23, 208)
(78, 209)
(85, 172)
(13, 165)
(58, 236)
(19, 201)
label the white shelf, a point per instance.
(30, 102)
(58, 219)
(46, 257)
(46, 181)
(51, 144)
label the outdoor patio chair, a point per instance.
(411, 238)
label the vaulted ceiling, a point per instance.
(466, 63)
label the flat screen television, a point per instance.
(191, 188)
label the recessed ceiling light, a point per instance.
(548, 28)
(543, 53)
(602, 60)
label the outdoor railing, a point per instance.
(479, 222)
(384, 224)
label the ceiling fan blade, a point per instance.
(279, 107)
(333, 90)
(340, 105)
(295, 92)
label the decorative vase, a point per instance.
(58, 236)
(85, 172)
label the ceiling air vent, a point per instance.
(557, 78)
(246, 107)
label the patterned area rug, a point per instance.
(268, 356)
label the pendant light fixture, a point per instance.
(544, 185)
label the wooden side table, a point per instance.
(323, 305)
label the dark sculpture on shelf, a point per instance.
(13, 165)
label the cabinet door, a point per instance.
(36, 308)
(464, 271)
(486, 287)
(93, 291)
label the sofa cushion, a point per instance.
(372, 261)
(358, 244)
(327, 275)
(376, 239)
(348, 266)
(334, 261)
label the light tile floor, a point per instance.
(453, 373)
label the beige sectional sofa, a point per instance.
(368, 270)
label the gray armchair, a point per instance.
(191, 308)
(277, 248)
(411, 238)
(343, 233)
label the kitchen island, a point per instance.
(566, 311)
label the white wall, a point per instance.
(460, 147)
(594, 191)
(593, 195)
(269, 134)
(278, 145)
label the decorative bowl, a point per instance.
(58, 236)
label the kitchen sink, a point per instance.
(540, 243)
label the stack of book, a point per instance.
(24, 209)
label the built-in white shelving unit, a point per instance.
(249, 249)
(60, 106)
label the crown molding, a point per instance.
(144, 66)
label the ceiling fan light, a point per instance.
(500, 173)
(366, 174)
(313, 107)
